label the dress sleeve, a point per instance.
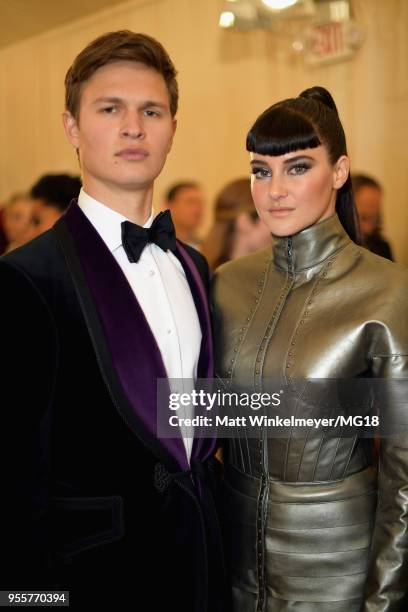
(387, 581)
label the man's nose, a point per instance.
(132, 126)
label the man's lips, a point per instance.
(131, 153)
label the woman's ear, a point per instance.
(341, 171)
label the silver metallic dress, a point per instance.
(314, 523)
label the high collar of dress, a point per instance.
(311, 246)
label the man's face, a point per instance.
(43, 216)
(187, 208)
(368, 202)
(124, 130)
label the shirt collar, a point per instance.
(105, 220)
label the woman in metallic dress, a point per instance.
(314, 522)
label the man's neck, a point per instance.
(134, 205)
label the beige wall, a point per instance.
(226, 79)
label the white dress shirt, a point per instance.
(162, 290)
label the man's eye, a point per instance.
(260, 173)
(151, 113)
(109, 110)
(299, 169)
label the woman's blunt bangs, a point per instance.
(281, 130)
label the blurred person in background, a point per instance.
(3, 239)
(51, 195)
(237, 229)
(17, 221)
(186, 203)
(368, 197)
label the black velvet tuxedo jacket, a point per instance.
(91, 501)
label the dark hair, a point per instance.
(56, 190)
(363, 180)
(307, 122)
(173, 191)
(114, 47)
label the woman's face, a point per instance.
(250, 235)
(368, 202)
(17, 218)
(296, 190)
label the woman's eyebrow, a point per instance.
(297, 158)
(258, 162)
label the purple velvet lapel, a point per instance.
(134, 353)
(202, 447)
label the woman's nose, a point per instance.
(277, 188)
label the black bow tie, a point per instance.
(135, 237)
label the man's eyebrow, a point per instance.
(150, 103)
(110, 99)
(115, 100)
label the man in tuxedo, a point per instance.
(95, 310)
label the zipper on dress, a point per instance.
(290, 255)
(261, 524)
(260, 547)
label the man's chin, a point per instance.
(132, 184)
(136, 185)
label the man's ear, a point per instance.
(71, 128)
(341, 171)
(172, 136)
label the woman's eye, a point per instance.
(260, 173)
(299, 169)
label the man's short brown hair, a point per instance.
(114, 47)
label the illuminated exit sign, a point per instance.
(333, 36)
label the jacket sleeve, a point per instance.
(387, 582)
(29, 363)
